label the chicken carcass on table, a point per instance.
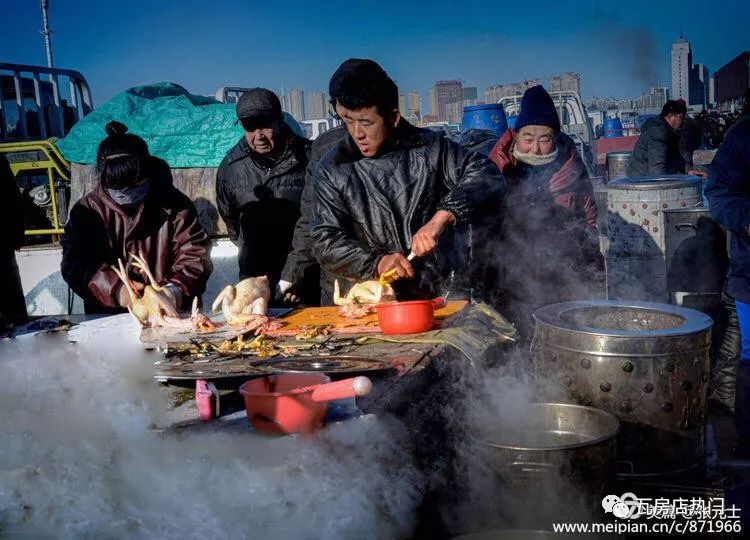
(362, 298)
(245, 305)
(151, 308)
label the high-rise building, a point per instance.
(567, 82)
(414, 107)
(317, 106)
(699, 85)
(712, 91)
(402, 104)
(433, 102)
(494, 93)
(731, 82)
(454, 112)
(294, 103)
(447, 92)
(682, 63)
(654, 99)
(470, 93)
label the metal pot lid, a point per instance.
(669, 181)
(623, 318)
(619, 154)
(321, 364)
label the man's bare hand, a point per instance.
(426, 238)
(397, 262)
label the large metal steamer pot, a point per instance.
(635, 258)
(617, 164)
(646, 363)
(553, 442)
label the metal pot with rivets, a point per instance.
(646, 363)
(635, 227)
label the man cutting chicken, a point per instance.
(390, 189)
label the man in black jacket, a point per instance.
(657, 150)
(259, 185)
(390, 188)
(301, 266)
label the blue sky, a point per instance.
(206, 44)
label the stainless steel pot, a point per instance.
(636, 267)
(648, 364)
(554, 441)
(617, 164)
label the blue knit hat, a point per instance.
(537, 109)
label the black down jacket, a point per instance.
(259, 201)
(301, 265)
(657, 150)
(366, 208)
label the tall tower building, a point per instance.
(699, 85)
(433, 102)
(682, 63)
(567, 82)
(317, 107)
(402, 104)
(295, 103)
(414, 107)
(447, 92)
(469, 93)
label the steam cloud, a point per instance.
(79, 458)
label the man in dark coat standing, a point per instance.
(728, 193)
(657, 150)
(390, 188)
(12, 303)
(259, 185)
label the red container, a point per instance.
(273, 407)
(408, 317)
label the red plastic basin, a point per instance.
(408, 317)
(272, 407)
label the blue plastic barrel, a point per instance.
(612, 128)
(490, 117)
(512, 121)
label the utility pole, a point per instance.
(46, 31)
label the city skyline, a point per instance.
(618, 51)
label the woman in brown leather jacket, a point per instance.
(134, 207)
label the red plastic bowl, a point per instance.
(408, 317)
(272, 407)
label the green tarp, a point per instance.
(183, 129)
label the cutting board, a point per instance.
(340, 325)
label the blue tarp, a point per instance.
(183, 129)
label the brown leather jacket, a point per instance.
(165, 227)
